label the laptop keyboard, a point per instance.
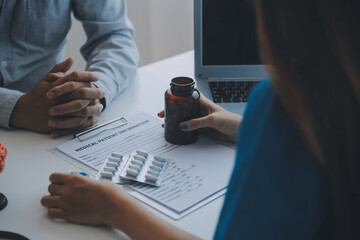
(231, 91)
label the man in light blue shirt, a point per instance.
(37, 96)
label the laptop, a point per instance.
(227, 61)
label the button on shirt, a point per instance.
(34, 34)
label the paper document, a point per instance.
(141, 130)
(195, 174)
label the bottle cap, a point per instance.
(182, 86)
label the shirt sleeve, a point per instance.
(274, 191)
(110, 50)
(8, 100)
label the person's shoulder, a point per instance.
(268, 126)
(263, 96)
(263, 105)
(263, 87)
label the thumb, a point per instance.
(195, 124)
(63, 66)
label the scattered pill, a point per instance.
(106, 174)
(156, 169)
(151, 178)
(117, 155)
(114, 159)
(142, 153)
(132, 172)
(140, 158)
(160, 159)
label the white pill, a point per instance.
(132, 172)
(140, 158)
(156, 174)
(142, 153)
(151, 178)
(156, 169)
(112, 164)
(117, 155)
(106, 174)
(114, 159)
(110, 169)
(137, 168)
(158, 164)
(136, 162)
(160, 159)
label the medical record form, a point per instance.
(196, 173)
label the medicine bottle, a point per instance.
(181, 104)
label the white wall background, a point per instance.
(163, 28)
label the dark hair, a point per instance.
(313, 50)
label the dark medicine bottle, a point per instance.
(181, 104)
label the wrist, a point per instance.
(121, 209)
(129, 216)
(231, 128)
(17, 117)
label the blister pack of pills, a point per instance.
(138, 166)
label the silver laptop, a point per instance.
(227, 62)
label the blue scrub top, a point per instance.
(275, 189)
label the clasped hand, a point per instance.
(60, 103)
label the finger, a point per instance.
(51, 201)
(89, 111)
(65, 88)
(197, 123)
(84, 93)
(161, 114)
(78, 76)
(55, 189)
(63, 66)
(50, 77)
(58, 178)
(56, 213)
(62, 132)
(90, 122)
(65, 123)
(69, 107)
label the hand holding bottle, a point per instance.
(217, 122)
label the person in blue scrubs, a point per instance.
(297, 165)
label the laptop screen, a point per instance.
(229, 33)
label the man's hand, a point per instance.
(77, 102)
(60, 103)
(31, 111)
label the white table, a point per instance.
(29, 164)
